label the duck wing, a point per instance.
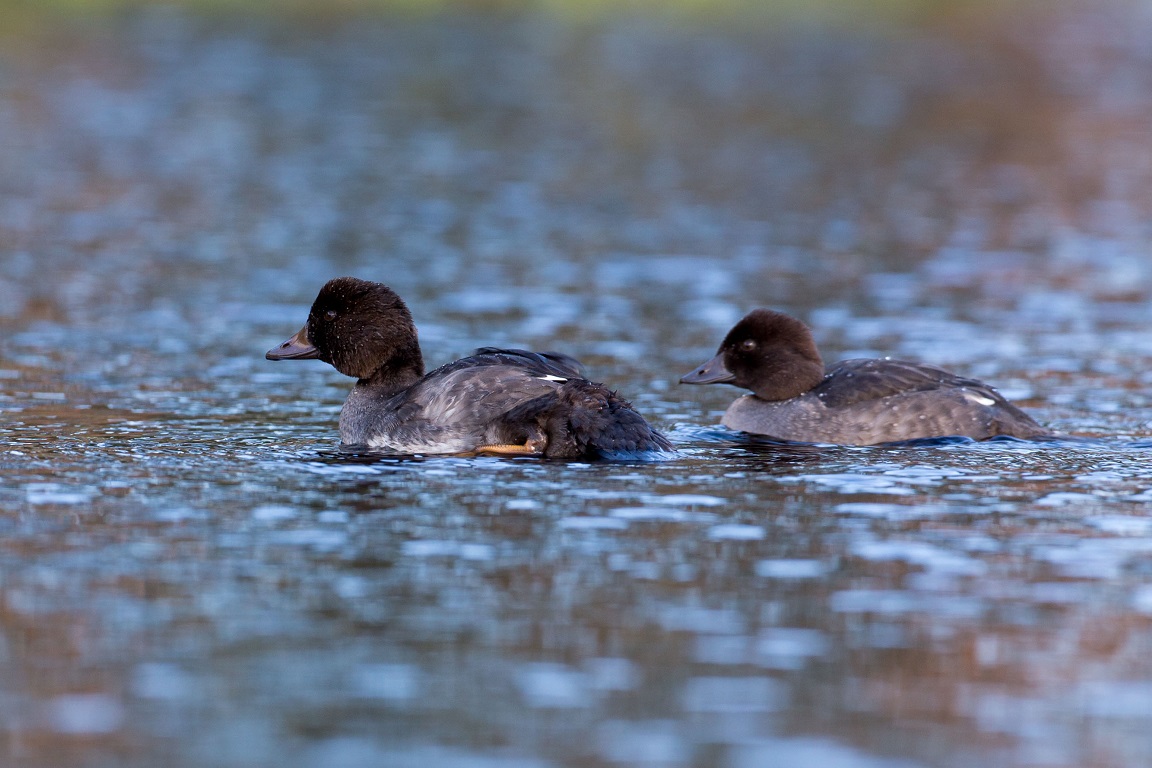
(468, 394)
(513, 397)
(510, 397)
(453, 409)
(535, 363)
(851, 382)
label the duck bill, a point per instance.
(296, 348)
(712, 372)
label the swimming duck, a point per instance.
(497, 401)
(855, 402)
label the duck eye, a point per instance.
(748, 345)
(330, 314)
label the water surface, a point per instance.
(190, 577)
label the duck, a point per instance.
(854, 402)
(504, 402)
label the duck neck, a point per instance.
(789, 375)
(398, 373)
(361, 410)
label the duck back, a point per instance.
(867, 402)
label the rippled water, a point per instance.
(190, 577)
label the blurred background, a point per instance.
(189, 577)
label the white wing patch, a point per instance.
(550, 377)
(979, 398)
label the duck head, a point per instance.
(359, 327)
(768, 352)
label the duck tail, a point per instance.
(582, 419)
